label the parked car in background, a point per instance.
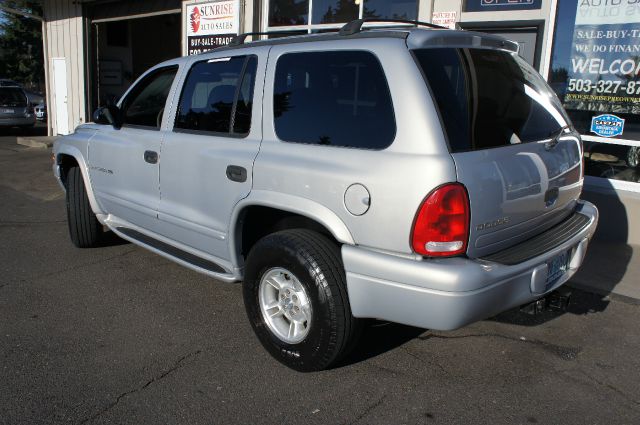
(15, 110)
(34, 98)
(41, 112)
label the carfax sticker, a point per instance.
(607, 125)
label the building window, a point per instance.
(393, 9)
(595, 70)
(320, 15)
(288, 12)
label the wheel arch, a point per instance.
(281, 211)
(67, 157)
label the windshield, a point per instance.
(12, 96)
(490, 98)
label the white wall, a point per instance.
(65, 39)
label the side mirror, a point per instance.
(108, 115)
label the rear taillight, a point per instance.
(441, 227)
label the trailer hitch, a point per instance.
(556, 301)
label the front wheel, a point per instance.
(296, 299)
(84, 228)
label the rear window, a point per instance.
(489, 98)
(338, 98)
(12, 96)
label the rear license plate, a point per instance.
(556, 267)
(9, 111)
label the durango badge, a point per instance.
(607, 125)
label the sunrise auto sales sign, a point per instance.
(212, 24)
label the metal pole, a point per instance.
(45, 52)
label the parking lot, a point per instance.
(120, 335)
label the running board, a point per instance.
(173, 252)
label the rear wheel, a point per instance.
(84, 228)
(296, 299)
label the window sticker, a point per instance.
(607, 125)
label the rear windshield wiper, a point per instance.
(556, 133)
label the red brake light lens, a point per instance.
(441, 227)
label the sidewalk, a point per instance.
(36, 141)
(610, 268)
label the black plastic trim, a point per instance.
(541, 243)
(172, 250)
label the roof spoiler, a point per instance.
(469, 39)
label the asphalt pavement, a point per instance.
(120, 335)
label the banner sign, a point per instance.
(604, 67)
(210, 25)
(495, 5)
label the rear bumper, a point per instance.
(446, 294)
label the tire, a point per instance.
(84, 228)
(310, 261)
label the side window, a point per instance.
(144, 105)
(217, 96)
(338, 98)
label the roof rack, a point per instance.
(349, 28)
(241, 38)
(355, 26)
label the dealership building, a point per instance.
(588, 50)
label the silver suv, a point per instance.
(428, 177)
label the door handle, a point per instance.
(151, 157)
(235, 173)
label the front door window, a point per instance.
(144, 104)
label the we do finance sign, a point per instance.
(209, 25)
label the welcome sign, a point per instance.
(604, 68)
(210, 25)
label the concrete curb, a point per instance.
(36, 142)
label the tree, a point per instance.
(21, 44)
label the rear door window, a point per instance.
(489, 98)
(218, 96)
(338, 98)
